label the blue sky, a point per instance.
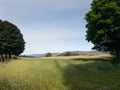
(49, 25)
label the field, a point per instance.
(60, 73)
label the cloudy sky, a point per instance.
(49, 25)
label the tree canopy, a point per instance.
(103, 24)
(11, 40)
(48, 55)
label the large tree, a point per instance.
(103, 24)
(11, 40)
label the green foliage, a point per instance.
(11, 39)
(103, 24)
(48, 55)
(66, 54)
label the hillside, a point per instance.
(62, 53)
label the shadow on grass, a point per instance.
(109, 59)
(92, 76)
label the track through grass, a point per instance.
(59, 74)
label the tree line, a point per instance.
(11, 41)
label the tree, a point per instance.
(48, 55)
(66, 54)
(11, 40)
(103, 24)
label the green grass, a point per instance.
(59, 74)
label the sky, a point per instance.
(49, 25)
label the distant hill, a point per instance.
(34, 55)
(80, 53)
(60, 54)
(85, 52)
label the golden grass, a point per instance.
(59, 73)
(79, 56)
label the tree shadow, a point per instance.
(109, 59)
(91, 76)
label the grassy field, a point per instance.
(60, 73)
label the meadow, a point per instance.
(60, 73)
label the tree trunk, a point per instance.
(5, 57)
(9, 56)
(2, 58)
(118, 55)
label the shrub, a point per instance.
(48, 55)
